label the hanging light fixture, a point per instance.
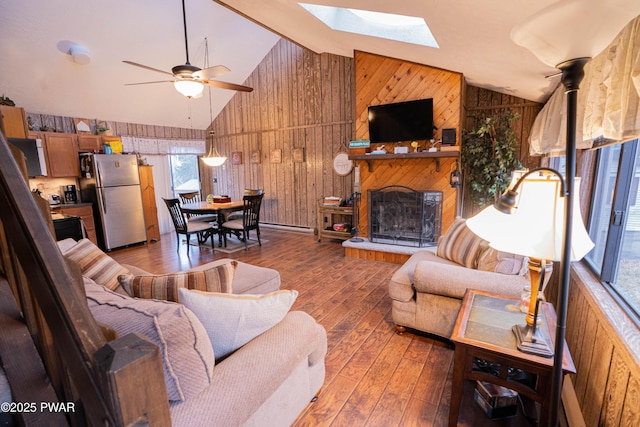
(213, 158)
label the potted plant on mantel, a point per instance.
(489, 156)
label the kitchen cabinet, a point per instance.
(149, 203)
(89, 143)
(61, 152)
(13, 122)
(85, 212)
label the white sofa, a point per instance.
(268, 381)
(427, 290)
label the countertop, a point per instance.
(70, 205)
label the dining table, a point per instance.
(206, 208)
(220, 210)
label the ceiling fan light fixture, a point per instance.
(189, 88)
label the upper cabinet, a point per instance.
(61, 152)
(89, 143)
(12, 122)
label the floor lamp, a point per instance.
(566, 35)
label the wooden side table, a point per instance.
(485, 350)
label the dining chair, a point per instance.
(202, 230)
(250, 220)
(247, 192)
(194, 197)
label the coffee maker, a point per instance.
(69, 193)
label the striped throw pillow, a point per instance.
(96, 265)
(460, 244)
(165, 286)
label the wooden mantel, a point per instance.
(436, 155)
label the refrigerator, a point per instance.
(111, 182)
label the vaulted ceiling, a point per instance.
(40, 77)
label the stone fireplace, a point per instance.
(402, 216)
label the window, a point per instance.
(185, 176)
(615, 222)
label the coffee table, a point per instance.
(485, 350)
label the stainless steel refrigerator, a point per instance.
(112, 184)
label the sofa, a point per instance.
(427, 290)
(266, 371)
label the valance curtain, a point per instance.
(163, 146)
(608, 100)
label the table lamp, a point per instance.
(528, 220)
(565, 35)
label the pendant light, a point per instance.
(213, 158)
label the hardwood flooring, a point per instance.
(374, 377)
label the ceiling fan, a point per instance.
(188, 79)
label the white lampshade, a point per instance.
(570, 29)
(536, 227)
(213, 161)
(189, 88)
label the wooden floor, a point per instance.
(374, 377)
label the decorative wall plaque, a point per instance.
(276, 156)
(342, 165)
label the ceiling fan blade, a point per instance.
(135, 64)
(211, 72)
(148, 83)
(226, 85)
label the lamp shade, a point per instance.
(570, 29)
(213, 161)
(536, 227)
(189, 88)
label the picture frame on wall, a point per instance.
(236, 158)
(255, 156)
(276, 156)
(298, 155)
(82, 126)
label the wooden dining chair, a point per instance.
(247, 192)
(202, 230)
(250, 220)
(194, 197)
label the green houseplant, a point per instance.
(489, 156)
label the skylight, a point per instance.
(408, 29)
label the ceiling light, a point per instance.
(189, 88)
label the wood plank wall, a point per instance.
(66, 125)
(301, 100)
(605, 346)
(485, 103)
(383, 80)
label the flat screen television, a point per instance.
(402, 121)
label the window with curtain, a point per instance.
(614, 223)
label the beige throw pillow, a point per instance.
(96, 265)
(165, 286)
(503, 262)
(231, 321)
(460, 244)
(187, 355)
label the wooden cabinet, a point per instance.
(86, 213)
(149, 203)
(13, 122)
(330, 215)
(89, 143)
(61, 152)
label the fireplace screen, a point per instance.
(401, 216)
